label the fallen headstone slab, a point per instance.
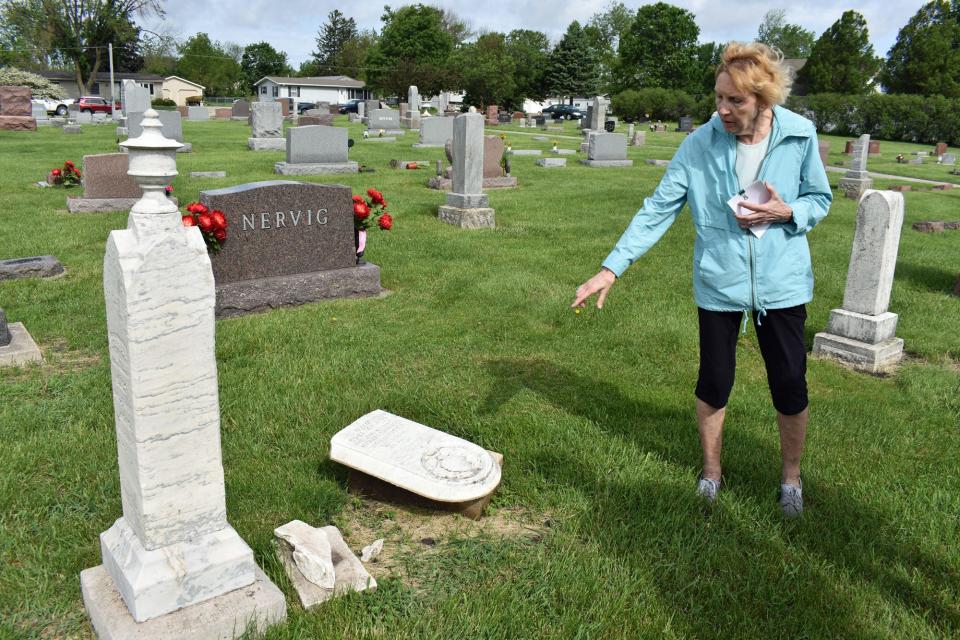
(935, 226)
(563, 152)
(449, 471)
(319, 563)
(526, 152)
(552, 162)
(33, 267)
(208, 174)
(659, 163)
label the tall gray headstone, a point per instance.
(411, 118)
(598, 114)
(862, 331)
(435, 131)
(136, 99)
(856, 181)
(266, 121)
(467, 205)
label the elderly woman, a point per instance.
(754, 262)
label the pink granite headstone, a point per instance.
(105, 176)
(492, 156)
(15, 111)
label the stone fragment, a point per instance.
(33, 267)
(310, 552)
(371, 551)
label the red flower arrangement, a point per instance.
(370, 210)
(212, 224)
(67, 177)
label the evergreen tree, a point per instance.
(792, 40)
(331, 41)
(925, 59)
(660, 50)
(842, 59)
(573, 66)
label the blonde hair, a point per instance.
(757, 69)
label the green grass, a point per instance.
(593, 413)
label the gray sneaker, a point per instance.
(791, 500)
(707, 488)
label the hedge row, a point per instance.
(908, 118)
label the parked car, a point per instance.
(565, 111)
(303, 106)
(56, 107)
(95, 104)
(350, 106)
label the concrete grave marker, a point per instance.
(435, 131)
(288, 243)
(411, 117)
(607, 150)
(466, 205)
(861, 333)
(267, 127)
(315, 150)
(198, 113)
(134, 98)
(857, 180)
(240, 110)
(387, 120)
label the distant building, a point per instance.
(100, 85)
(179, 89)
(332, 89)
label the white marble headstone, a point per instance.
(416, 457)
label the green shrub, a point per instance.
(39, 86)
(163, 102)
(653, 102)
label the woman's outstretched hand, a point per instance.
(599, 283)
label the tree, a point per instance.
(159, 52)
(925, 59)
(660, 50)
(259, 60)
(209, 63)
(530, 52)
(604, 31)
(77, 32)
(39, 87)
(414, 48)
(573, 66)
(792, 40)
(485, 70)
(331, 40)
(708, 57)
(842, 59)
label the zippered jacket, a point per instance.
(732, 269)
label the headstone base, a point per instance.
(18, 123)
(21, 350)
(873, 358)
(503, 182)
(267, 144)
(159, 581)
(258, 605)
(373, 133)
(552, 162)
(861, 327)
(607, 163)
(100, 205)
(253, 296)
(314, 168)
(854, 187)
(480, 218)
(410, 123)
(122, 132)
(427, 146)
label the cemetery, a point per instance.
(354, 401)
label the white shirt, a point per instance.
(749, 159)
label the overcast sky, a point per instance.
(291, 25)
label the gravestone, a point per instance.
(823, 147)
(169, 120)
(288, 243)
(411, 117)
(638, 139)
(106, 185)
(39, 113)
(940, 149)
(862, 332)
(435, 131)
(135, 99)
(311, 120)
(385, 120)
(240, 110)
(183, 110)
(607, 150)
(504, 118)
(314, 150)
(173, 567)
(361, 110)
(540, 121)
(686, 125)
(552, 162)
(492, 113)
(428, 462)
(948, 159)
(17, 347)
(84, 117)
(598, 114)
(587, 118)
(15, 111)
(267, 127)
(72, 128)
(466, 205)
(33, 267)
(370, 105)
(857, 180)
(284, 106)
(525, 152)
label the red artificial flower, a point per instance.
(68, 164)
(358, 199)
(55, 172)
(188, 221)
(196, 207)
(168, 189)
(220, 234)
(206, 222)
(385, 222)
(219, 220)
(76, 173)
(375, 195)
(361, 210)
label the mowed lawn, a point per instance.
(595, 531)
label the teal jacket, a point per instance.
(732, 269)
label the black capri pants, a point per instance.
(780, 334)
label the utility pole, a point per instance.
(113, 102)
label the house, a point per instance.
(179, 89)
(100, 86)
(332, 89)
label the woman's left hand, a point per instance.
(774, 210)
